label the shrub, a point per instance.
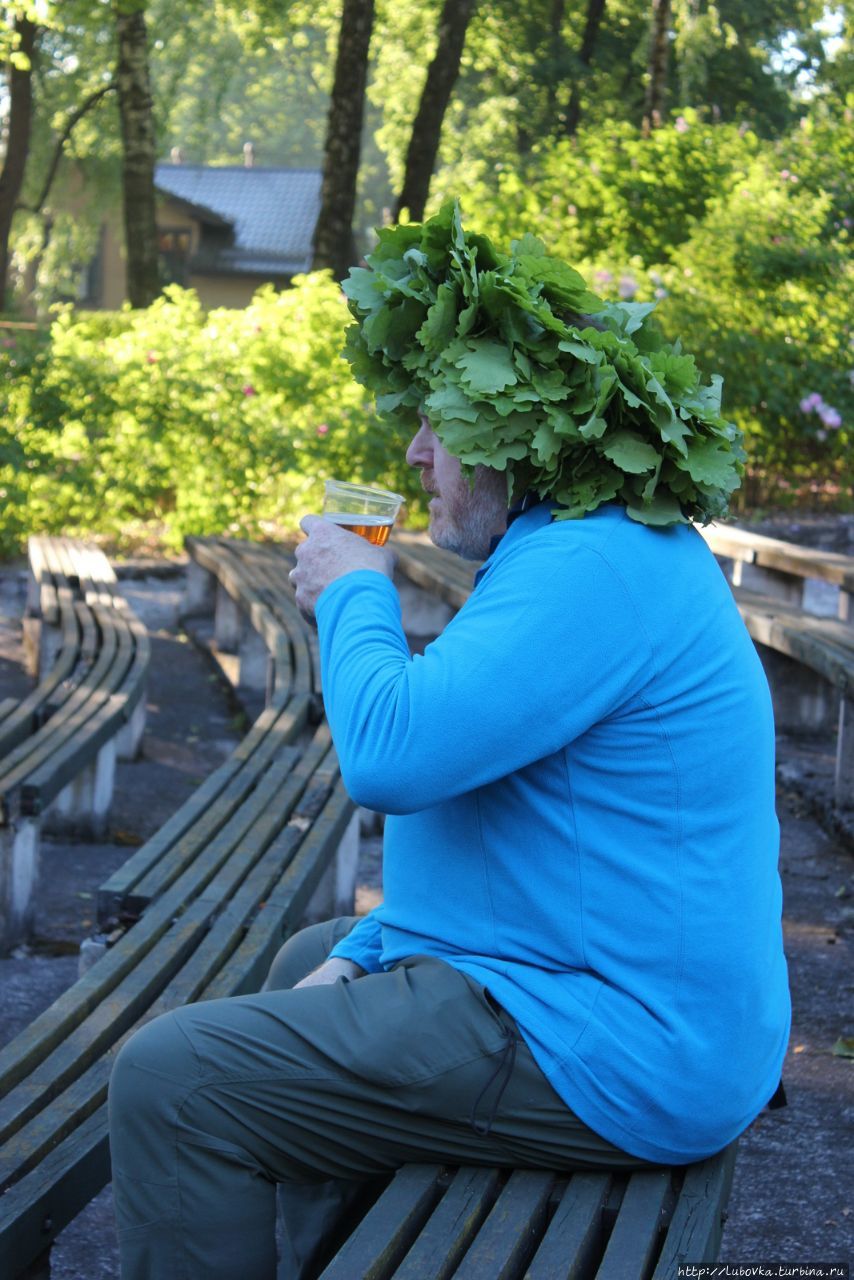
(174, 421)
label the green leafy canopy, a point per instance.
(519, 366)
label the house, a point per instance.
(223, 231)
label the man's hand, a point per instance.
(331, 970)
(328, 553)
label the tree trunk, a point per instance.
(137, 122)
(656, 88)
(557, 53)
(17, 143)
(334, 245)
(427, 126)
(595, 10)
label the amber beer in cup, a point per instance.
(361, 509)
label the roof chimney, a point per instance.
(248, 155)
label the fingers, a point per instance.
(310, 522)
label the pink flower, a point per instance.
(830, 417)
(572, 210)
(603, 277)
(627, 288)
(249, 390)
(323, 429)
(682, 125)
(810, 402)
(152, 357)
(785, 175)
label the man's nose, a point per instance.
(420, 451)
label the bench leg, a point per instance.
(19, 873)
(130, 738)
(84, 804)
(803, 700)
(844, 788)
(199, 591)
(254, 662)
(32, 632)
(42, 644)
(336, 892)
(228, 622)
(770, 582)
(39, 1268)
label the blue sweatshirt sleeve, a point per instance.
(363, 944)
(547, 645)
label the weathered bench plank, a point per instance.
(499, 1224)
(197, 952)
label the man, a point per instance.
(578, 960)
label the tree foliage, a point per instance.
(734, 216)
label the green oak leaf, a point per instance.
(631, 452)
(441, 323)
(663, 509)
(710, 464)
(361, 288)
(593, 428)
(487, 366)
(497, 457)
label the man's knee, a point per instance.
(304, 951)
(151, 1070)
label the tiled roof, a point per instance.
(273, 213)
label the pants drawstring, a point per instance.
(502, 1073)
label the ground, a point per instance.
(791, 1197)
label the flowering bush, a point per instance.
(170, 420)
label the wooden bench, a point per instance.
(198, 912)
(59, 745)
(781, 569)
(211, 897)
(432, 1223)
(809, 660)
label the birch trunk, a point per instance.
(139, 154)
(656, 88)
(334, 245)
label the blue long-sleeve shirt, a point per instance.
(580, 778)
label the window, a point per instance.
(173, 253)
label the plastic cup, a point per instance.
(361, 509)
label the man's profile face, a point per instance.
(461, 519)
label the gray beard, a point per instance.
(471, 525)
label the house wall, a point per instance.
(230, 291)
(113, 274)
(213, 291)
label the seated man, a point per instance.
(578, 962)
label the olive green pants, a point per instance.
(215, 1105)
